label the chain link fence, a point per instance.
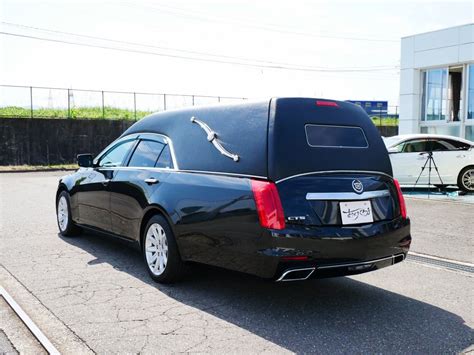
(47, 102)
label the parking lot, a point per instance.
(92, 294)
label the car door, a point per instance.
(132, 187)
(92, 190)
(408, 161)
(450, 157)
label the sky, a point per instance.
(247, 48)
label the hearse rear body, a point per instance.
(287, 188)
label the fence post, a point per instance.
(135, 105)
(103, 106)
(193, 99)
(68, 103)
(164, 102)
(218, 99)
(31, 102)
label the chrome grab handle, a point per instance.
(212, 137)
(151, 181)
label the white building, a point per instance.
(437, 82)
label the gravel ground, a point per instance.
(92, 294)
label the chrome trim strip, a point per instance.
(182, 171)
(334, 172)
(392, 257)
(342, 196)
(212, 137)
(136, 136)
(282, 277)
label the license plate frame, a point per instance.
(356, 212)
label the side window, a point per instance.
(415, 146)
(455, 145)
(146, 154)
(437, 146)
(165, 161)
(116, 155)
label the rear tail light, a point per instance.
(267, 200)
(401, 199)
(326, 103)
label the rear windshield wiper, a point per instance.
(212, 137)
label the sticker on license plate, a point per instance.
(356, 212)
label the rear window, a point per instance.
(335, 136)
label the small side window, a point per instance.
(165, 161)
(146, 154)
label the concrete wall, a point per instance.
(54, 141)
(58, 141)
(451, 46)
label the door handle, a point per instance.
(105, 182)
(151, 181)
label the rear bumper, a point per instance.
(334, 251)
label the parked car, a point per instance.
(285, 189)
(453, 156)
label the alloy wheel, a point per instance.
(63, 213)
(156, 249)
(467, 179)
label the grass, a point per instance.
(114, 113)
(13, 168)
(385, 121)
(77, 112)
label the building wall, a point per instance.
(447, 47)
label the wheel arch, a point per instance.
(62, 187)
(151, 211)
(469, 166)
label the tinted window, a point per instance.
(165, 161)
(455, 145)
(335, 136)
(146, 154)
(415, 146)
(116, 155)
(437, 146)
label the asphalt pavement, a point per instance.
(92, 294)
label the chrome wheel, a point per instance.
(156, 249)
(63, 213)
(467, 179)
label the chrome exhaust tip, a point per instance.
(296, 274)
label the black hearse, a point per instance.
(288, 188)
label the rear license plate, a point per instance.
(356, 212)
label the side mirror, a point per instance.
(392, 150)
(85, 160)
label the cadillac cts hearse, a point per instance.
(286, 189)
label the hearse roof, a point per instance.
(270, 138)
(241, 129)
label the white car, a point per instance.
(453, 156)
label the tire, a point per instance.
(160, 251)
(466, 179)
(67, 228)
